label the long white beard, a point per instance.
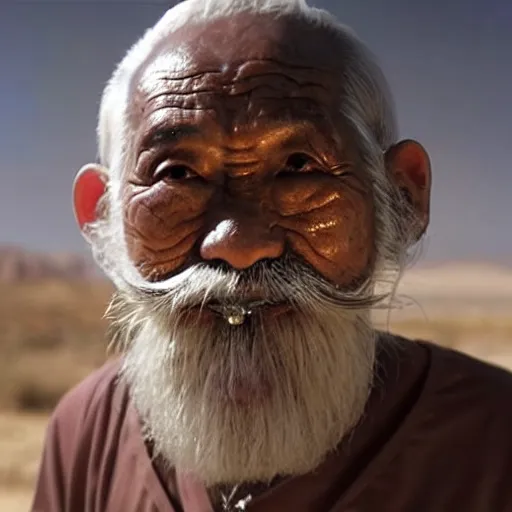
(246, 403)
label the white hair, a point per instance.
(366, 105)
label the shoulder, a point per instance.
(90, 394)
(452, 445)
(467, 403)
(458, 393)
(452, 373)
(464, 419)
(88, 406)
(78, 438)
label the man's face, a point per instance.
(241, 154)
(244, 183)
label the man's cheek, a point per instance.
(160, 230)
(336, 238)
(339, 262)
(160, 208)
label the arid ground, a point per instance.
(53, 334)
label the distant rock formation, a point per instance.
(21, 265)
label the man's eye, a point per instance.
(299, 162)
(174, 172)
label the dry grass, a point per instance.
(53, 335)
(21, 438)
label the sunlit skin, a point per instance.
(240, 153)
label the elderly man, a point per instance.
(252, 205)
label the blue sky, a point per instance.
(448, 63)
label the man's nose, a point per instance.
(242, 242)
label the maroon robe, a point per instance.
(436, 437)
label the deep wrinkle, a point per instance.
(231, 121)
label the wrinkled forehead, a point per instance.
(246, 70)
(223, 46)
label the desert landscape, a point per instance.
(53, 334)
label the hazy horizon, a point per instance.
(448, 65)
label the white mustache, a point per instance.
(284, 280)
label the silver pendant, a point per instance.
(236, 314)
(237, 318)
(233, 314)
(240, 505)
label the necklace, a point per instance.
(240, 505)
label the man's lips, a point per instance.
(246, 308)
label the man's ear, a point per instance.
(409, 165)
(88, 188)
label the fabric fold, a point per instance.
(193, 493)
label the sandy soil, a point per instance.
(21, 439)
